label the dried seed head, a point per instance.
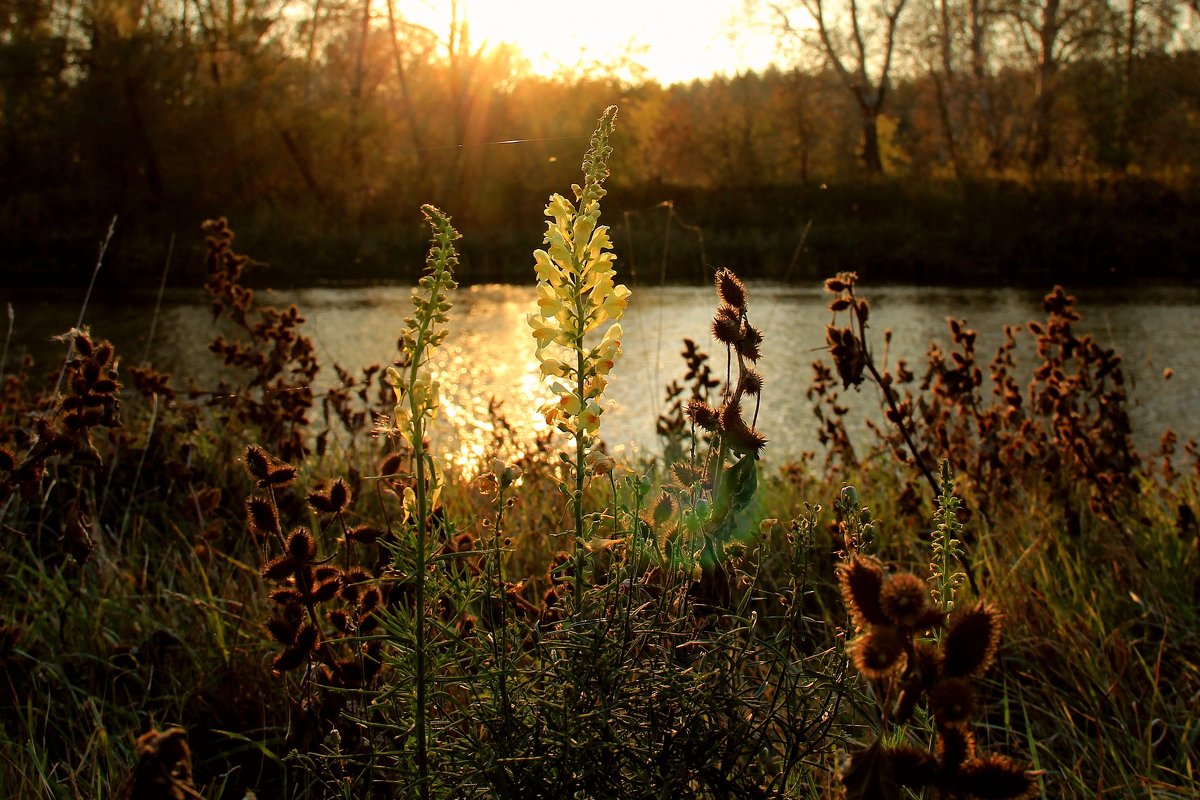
(970, 644)
(862, 584)
(750, 343)
(391, 464)
(339, 619)
(306, 637)
(287, 596)
(339, 495)
(326, 590)
(877, 651)
(662, 513)
(289, 659)
(258, 463)
(327, 571)
(955, 746)
(282, 630)
(835, 285)
(751, 383)
(370, 599)
(928, 663)
(727, 325)
(320, 502)
(911, 766)
(364, 534)
(281, 475)
(952, 702)
(279, 569)
(300, 545)
(686, 474)
(996, 778)
(704, 415)
(904, 600)
(731, 289)
(261, 516)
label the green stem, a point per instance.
(579, 466)
(422, 515)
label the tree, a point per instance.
(857, 41)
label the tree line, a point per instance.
(320, 126)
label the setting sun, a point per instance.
(672, 40)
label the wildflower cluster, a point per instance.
(577, 295)
(280, 361)
(890, 614)
(731, 326)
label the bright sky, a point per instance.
(675, 40)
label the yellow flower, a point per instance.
(546, 269)
(598, 243)
(544, 330)
(616, 301)
(549, 300)
(569, 404)
(552, 367)
(589, 417)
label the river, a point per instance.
(489, 353)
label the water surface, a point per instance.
(489, 354)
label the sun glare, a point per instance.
(672, 40)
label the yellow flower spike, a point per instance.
(575, 287)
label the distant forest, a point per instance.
(926, 140)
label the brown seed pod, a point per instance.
(751, 382)
(300, 545)
(955, 746)
(904, 599)
(862, 584)
(364, 534)
(952, 702)
(731, 289)
(970, 644)
(727, 325)
(325, 590)
(339, 495)
(704, 415)
(289, 659)
(287, 596)
(750, 343)
(996, 778)
(281, 475)
(279, 569)
(911, 766)
(320, 502)
(261, 516)
(282, 630)
(258, 463)
(876, 652)
(391, 464)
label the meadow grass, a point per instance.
(994, 596)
